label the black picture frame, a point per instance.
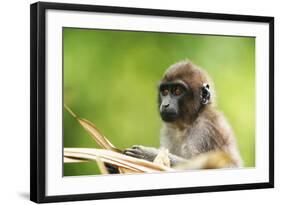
(38, 100)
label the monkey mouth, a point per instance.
(169, 116)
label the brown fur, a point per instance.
(200, 128)
(203, 128)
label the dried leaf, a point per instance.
(117, 159)
(94, 132)
(163, 158)
(101, 166)
(123, 170)
(73, 160)
(80, 155)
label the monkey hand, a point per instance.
(141, 152)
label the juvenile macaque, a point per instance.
(191, 123)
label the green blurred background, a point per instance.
(111, 77)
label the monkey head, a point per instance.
(183, 92)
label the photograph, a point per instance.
(131, 102)
(140, 102)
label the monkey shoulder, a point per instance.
(224, 137)
(219, 129)
(210, 131)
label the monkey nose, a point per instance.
(166, 105)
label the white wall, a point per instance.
(14, 100)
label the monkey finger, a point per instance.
(135, 151)
(131, 154)
(136, 147)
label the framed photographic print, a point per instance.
(129, 102)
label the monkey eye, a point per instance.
(165, 92)
(178, 91)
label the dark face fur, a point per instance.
(183, 91)
(171, 97)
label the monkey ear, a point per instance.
(205, 94)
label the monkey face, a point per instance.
(170, 95)
(183, 93)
